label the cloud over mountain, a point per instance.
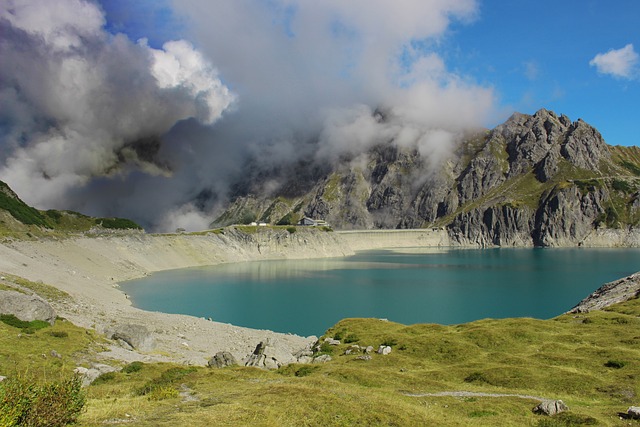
(94, 121)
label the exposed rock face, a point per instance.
(269, 355)
(222, 359)
(26, 307)
(610, 293)
(535, 180)
(137, 336)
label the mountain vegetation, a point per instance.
(535, 180)
(21, 220)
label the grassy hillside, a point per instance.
(590, 361)
(17, 219)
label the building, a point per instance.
(312, 222)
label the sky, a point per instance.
(153, 109)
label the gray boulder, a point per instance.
(137, 336)
(222, 359)
(323, 358)
(26, 307)
(634, 412)
(269, 355)
(384, 350)
(550, 407)
(89, 375)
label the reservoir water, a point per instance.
(410, 286)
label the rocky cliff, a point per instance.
(535, 180)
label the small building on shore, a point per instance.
(310, 222)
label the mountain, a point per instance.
(18, 218)
(534, 180)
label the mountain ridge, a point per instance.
(536, 179)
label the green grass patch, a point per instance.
(117, 223)
(34, 325)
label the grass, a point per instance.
(47, 292)
(591, 361)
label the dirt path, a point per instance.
(474, 394)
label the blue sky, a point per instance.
(532, 54)
(537, 54)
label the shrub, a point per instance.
(476, 377)
(615, 364)
(389, 341)
(339, 335)
(23, 402)
(305, 370)
(117, 223)
(133, 367)
(163, 382)
(162, 392)
(27, 327)
(326, 348)
(59, 334)
(351, 338)
(291, 230)
(104, 378)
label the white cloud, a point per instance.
(80, 103)
(617, 62)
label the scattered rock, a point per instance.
(55, 354)
(634, 412)
(26, 307)
(137, 336)
(323, 358)
(384, 350)
(364, 357)
(89, 375)
(369, 349)
(269, 355)
(222, 359)
(332, 341)
(2, 378)
(550, 407)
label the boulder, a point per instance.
(550, 407)
(634, 412)
(323, 358)
(269, 354)
(364, 357)
(222, 359)
(384, 350)
(89, 375)
(137, 336)
(26, 307)
(332, 341)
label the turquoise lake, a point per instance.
(447, 286)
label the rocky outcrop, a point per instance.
(137, 337)
(269, 355)
(26, 307)
(610, 293)
(550, 407)
(222, 359)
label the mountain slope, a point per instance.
(18, 218)
(535, 180)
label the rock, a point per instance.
(26, 307)
(634, 412)
(369, 349)
(2, 378)
(364, 357)
(222, 359)
(269, 355)
(137, 336)
(89, 375)
(55, 354)
(550, 407)
(610, 293)
(323, 358)
(384, 350)
(332, 341)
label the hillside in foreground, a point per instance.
(484, 373)
(534, 180)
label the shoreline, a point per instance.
(90, 268)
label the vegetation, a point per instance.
(28, 403)
(26, 327)
(20, 210)
(117, 223)
(591, 361)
